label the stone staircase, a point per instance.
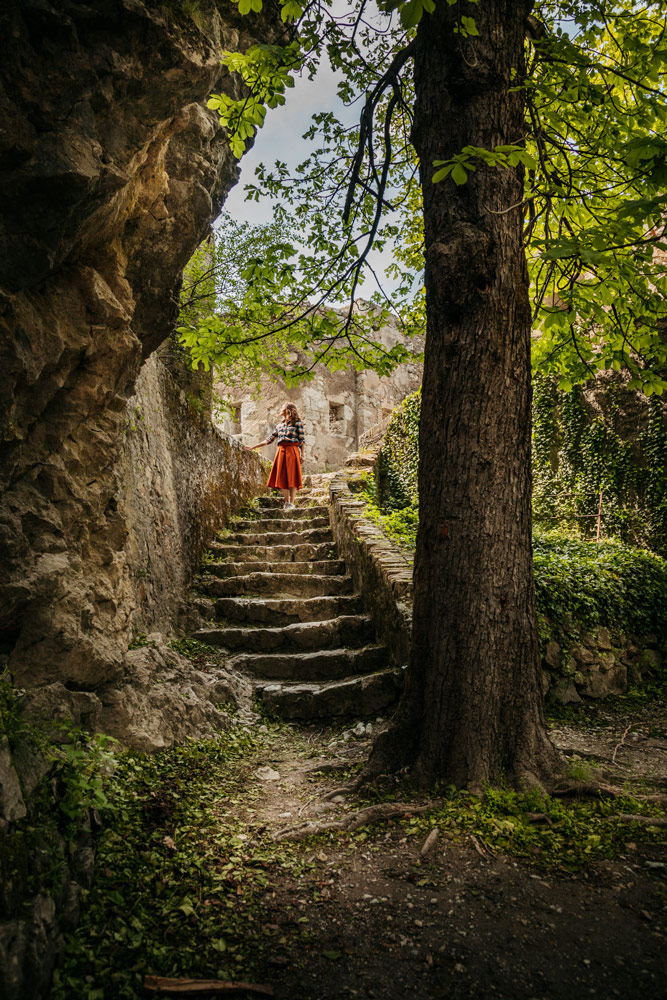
(288, 617)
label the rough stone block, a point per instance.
(552, 655)
(603, 639)
(12, 806)
(565, 692)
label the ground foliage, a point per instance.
(34, 851)
(595, 160)
(176, 889)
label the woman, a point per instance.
(286, 469)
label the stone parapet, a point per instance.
(380, 570)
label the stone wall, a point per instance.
(337, 407)
(598, 664)
(381, 571)
(179, 480)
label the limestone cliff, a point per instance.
(111, 170)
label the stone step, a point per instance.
(314, 665)
(278, 611)
(255, 524)
(314, 536)
(324, 567)
(346, 630)
(300, 513)
(282, 584)
(355, 697)
(275, 553)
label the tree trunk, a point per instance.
(472, 707)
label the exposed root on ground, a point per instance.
(596, 789)
(352, 821)
(632, 818)
(201, 987)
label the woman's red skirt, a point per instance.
(286, 468)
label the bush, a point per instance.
(609, 583)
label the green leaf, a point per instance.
(459, 175)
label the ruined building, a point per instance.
(337, 407)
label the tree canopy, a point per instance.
(595, 161)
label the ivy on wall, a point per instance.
(578, 455)
(399, 456)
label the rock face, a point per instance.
(179, 480)
(111, 170)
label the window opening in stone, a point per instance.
(336, 418)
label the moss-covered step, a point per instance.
(279, 611)
(299, 513)
(298, 585)
(314, 665)
(320, 567)
(274, 553)
(354, 697)
(346, 630)
(280, 523)
(257, 537)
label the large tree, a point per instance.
(590, 217)
(472, 710)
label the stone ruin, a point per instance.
(338, 408)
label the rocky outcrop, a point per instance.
(179, 481)
(111, 170)
(599, 664)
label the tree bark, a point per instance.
(472, 710)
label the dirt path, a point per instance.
(190, 882)
(374, 919)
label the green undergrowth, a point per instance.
(70, 769)
(550, 833)
(579, 583)
(178, 883)
(568, 835)
(592, 714)
(185, 864)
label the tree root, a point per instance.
(178, 987)
(632, 818)
(343, 790)
(593, 788)
(352, 821)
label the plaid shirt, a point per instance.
(290, 433)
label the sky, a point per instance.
(281, 139)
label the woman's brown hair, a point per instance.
(290, 412)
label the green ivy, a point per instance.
(581, 584)
(399, 456)
(575, 458)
